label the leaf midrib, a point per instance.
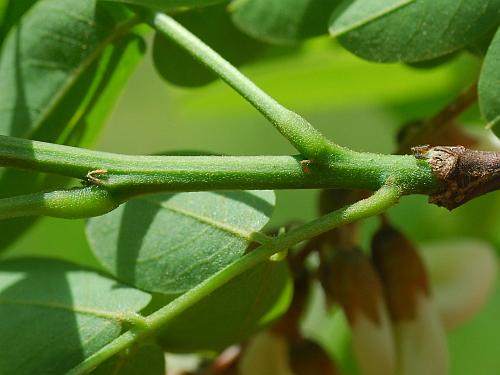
(246, 235)
(119, 317)
(382, 13)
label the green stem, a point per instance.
(301, 134)
(195, 173)
(68, 204)
(377, 203)
(127, 176)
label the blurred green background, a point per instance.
(356, 103)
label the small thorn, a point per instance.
(93, 176)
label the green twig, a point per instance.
(301, 134)
(377, 203)
(116, 178)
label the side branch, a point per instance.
(301, 134)
(376, 204)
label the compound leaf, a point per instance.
(412, 31)
(489, 86)
(169, 243)
(282, 21)
(53, 314)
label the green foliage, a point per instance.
(352, 14)
(489, 86)
(10, 13)
(282, 21)
(168, 4)
(416, 31)
(171, 242)
(59, 79)
(215, 28)
(49, 54)
(53, 314)
(233, 312)
(63, 64)
(146, 359)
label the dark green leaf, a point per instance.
(168, 4)
(10, 13)
(215, 28)
(434, 63)
(283, 21)
(147, 359)
(169, 243)
(53, 315)
(352, 14)
(3, 8)
(412, 31)
(233, 312)
(45, 55)
(489, 86)
(61, 70)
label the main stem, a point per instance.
(301, 134)
(118, 178)
(377, 203)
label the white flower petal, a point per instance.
(373, 344)
(463, 274)
(422, 346)
(265, 354)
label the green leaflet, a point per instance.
(3, 9)
(282, 21)
(167, 4)
(147, 359)
(53, 314)
(233, 312)
(44, 56)
(412, 31)
(10, 13)
(352, 14)
(489, 86)
(61, 70)
(213, 25)
(169, 243)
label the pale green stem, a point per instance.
(127, 176)
(377, 203)
(301, 134)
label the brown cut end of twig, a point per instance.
(465, 173)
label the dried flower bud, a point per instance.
(308, 358)
(266, 353)
(420, 337)
(350, 280)
(403, 274)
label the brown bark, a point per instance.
(465, 173)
